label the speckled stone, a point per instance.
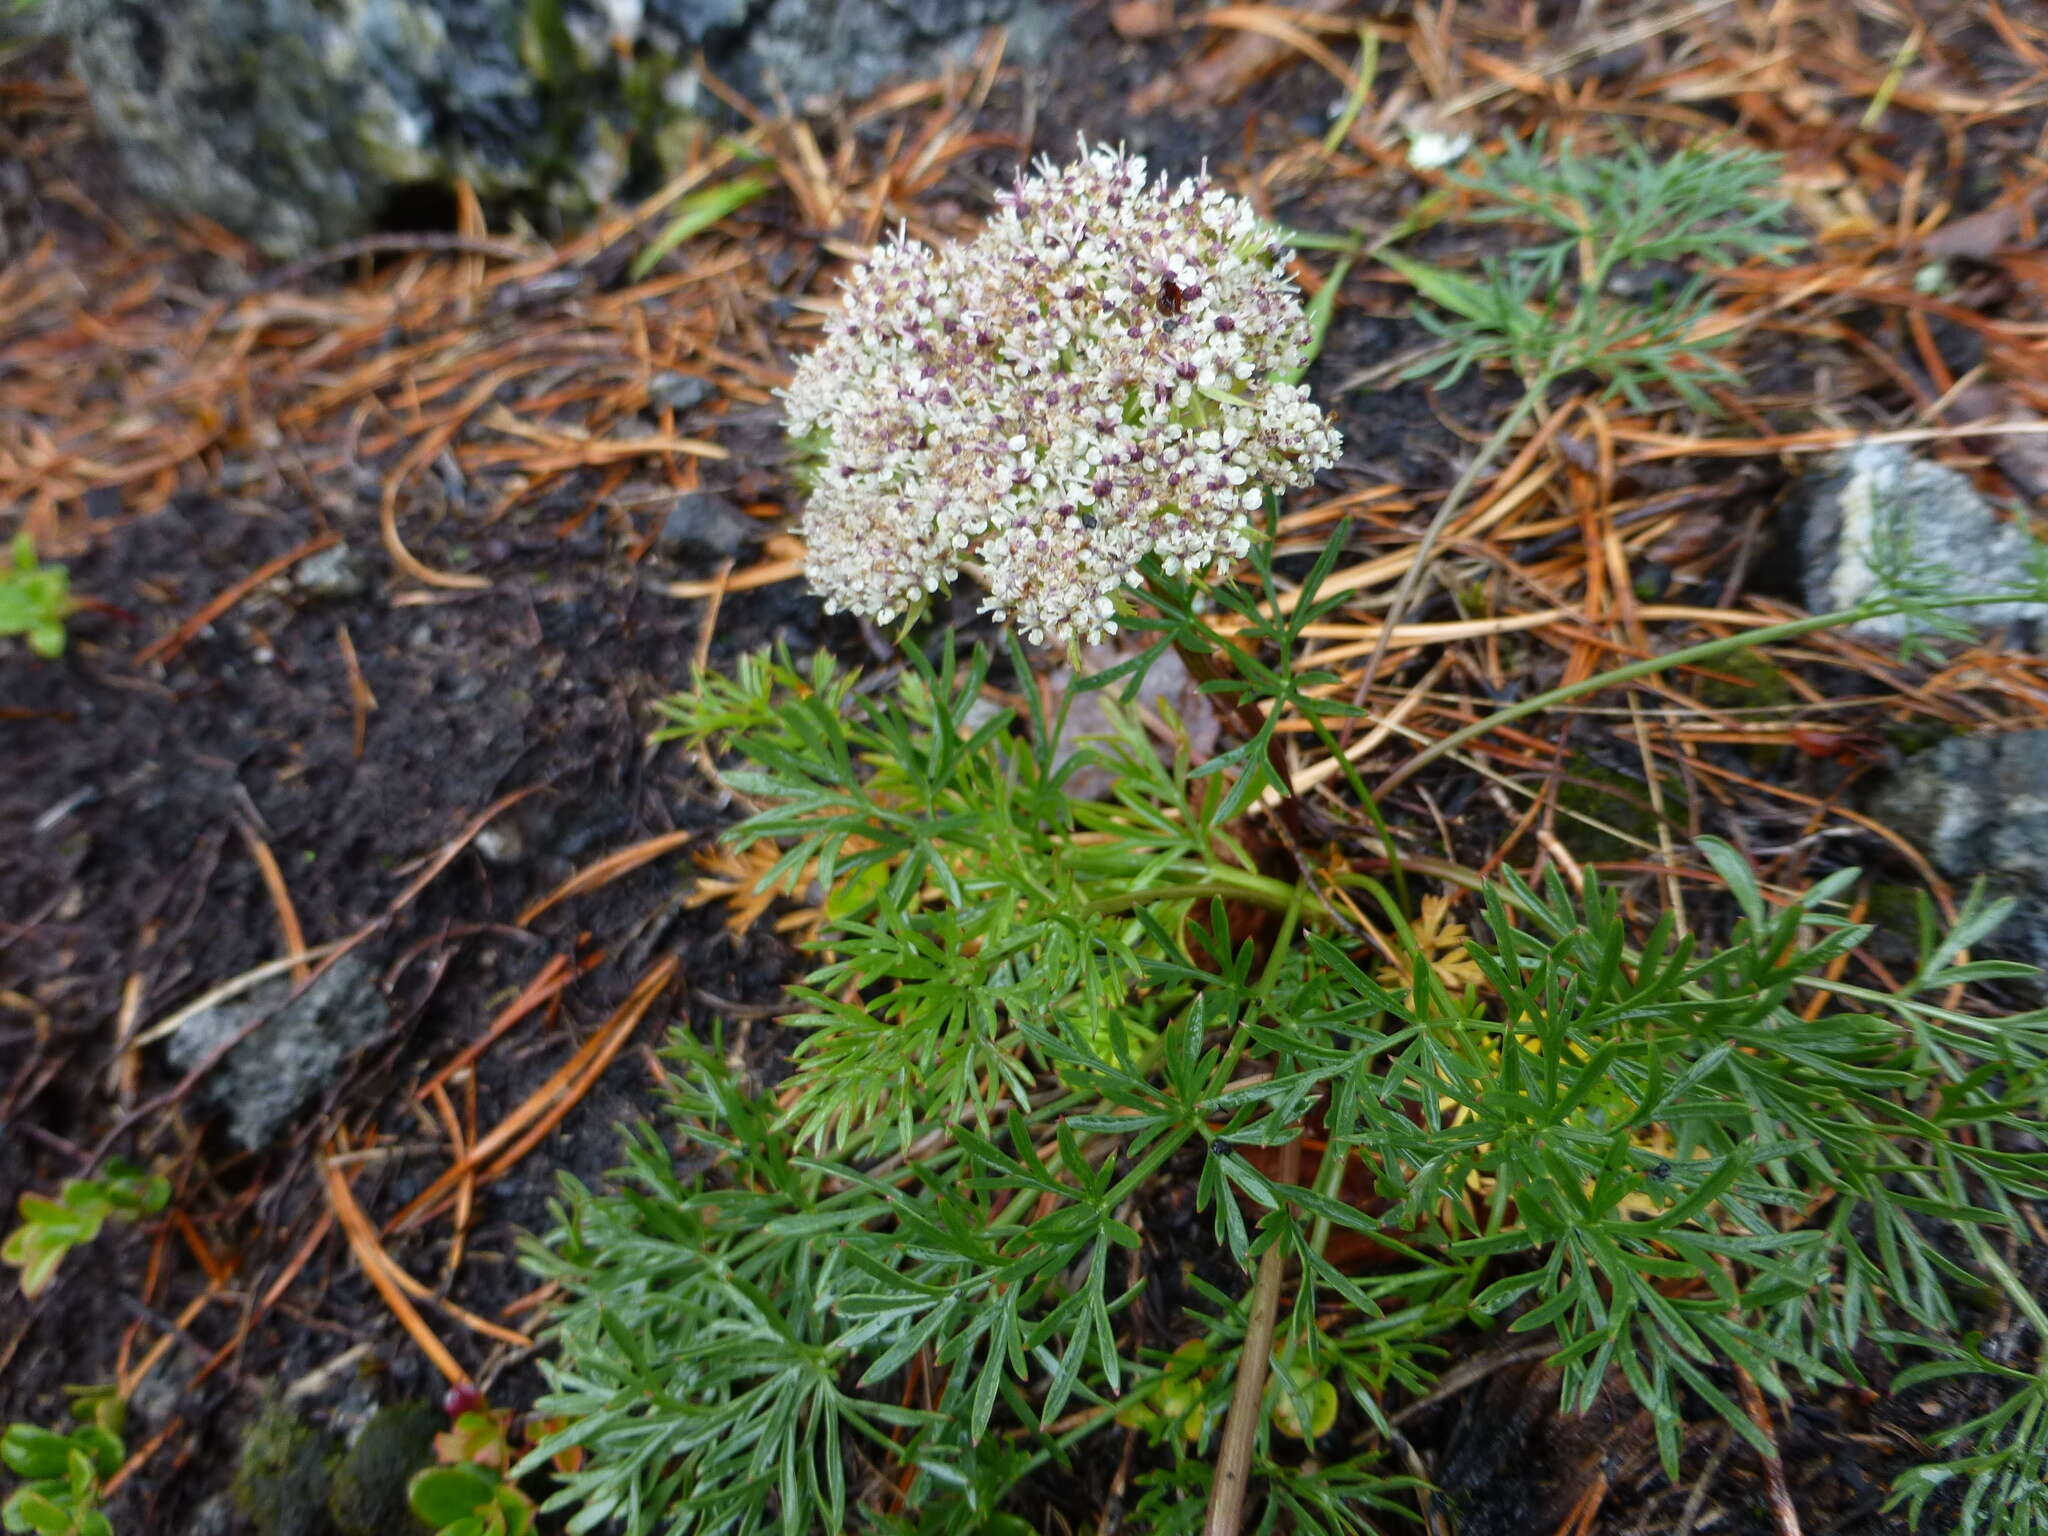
(297, 122)
(1978, 806)
(1874, 491)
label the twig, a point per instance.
(1783, 1515)
(1697, 1499)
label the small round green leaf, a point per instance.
(443, 1495)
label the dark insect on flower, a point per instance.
(1170, 296)
(1661, 1172)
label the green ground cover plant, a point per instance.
(909, 1287)
(35, 598)
(51, 1228)
(63, 1473)
(1032, 1007)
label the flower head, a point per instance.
(1100, 376)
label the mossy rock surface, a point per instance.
(282, 1479)
(1744, 680)
(299, 125)
(368, 1496)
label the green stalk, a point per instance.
(1222, 881)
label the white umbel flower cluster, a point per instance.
(1098, 377)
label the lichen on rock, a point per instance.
(299, 123)
(1978, 807)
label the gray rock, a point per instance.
(1978, 805)
(500, 844)
(25, 21)
(1167, 682)
(289, 1059)
(297, 122)
(679, 391)
(831, 47)
(335, 572)
(704, 527)
(1877, 491)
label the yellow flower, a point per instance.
(1441, 945)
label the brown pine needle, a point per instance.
(377, 1266)
(606, 870)
(545, 1106)
(169, 646)
(544, 987)
(287, 915)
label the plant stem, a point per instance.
(1263, 889)
(1209, 667)
(1649, 666)
(1247, 1398)
(1329, 1179)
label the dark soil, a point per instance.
(130, 793)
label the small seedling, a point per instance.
(52, 1228)
(469, 1494)
(64, 1475)
(35, 599)
(470, 1501)
(1622, 288)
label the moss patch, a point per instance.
(368, 1496)
(1742, 680)
(1591, 793)
(281, 1481)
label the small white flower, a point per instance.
(1048, 398)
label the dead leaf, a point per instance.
(1138, 19)
(1977, 236)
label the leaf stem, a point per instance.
(1647, 667)
(1221, 881)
